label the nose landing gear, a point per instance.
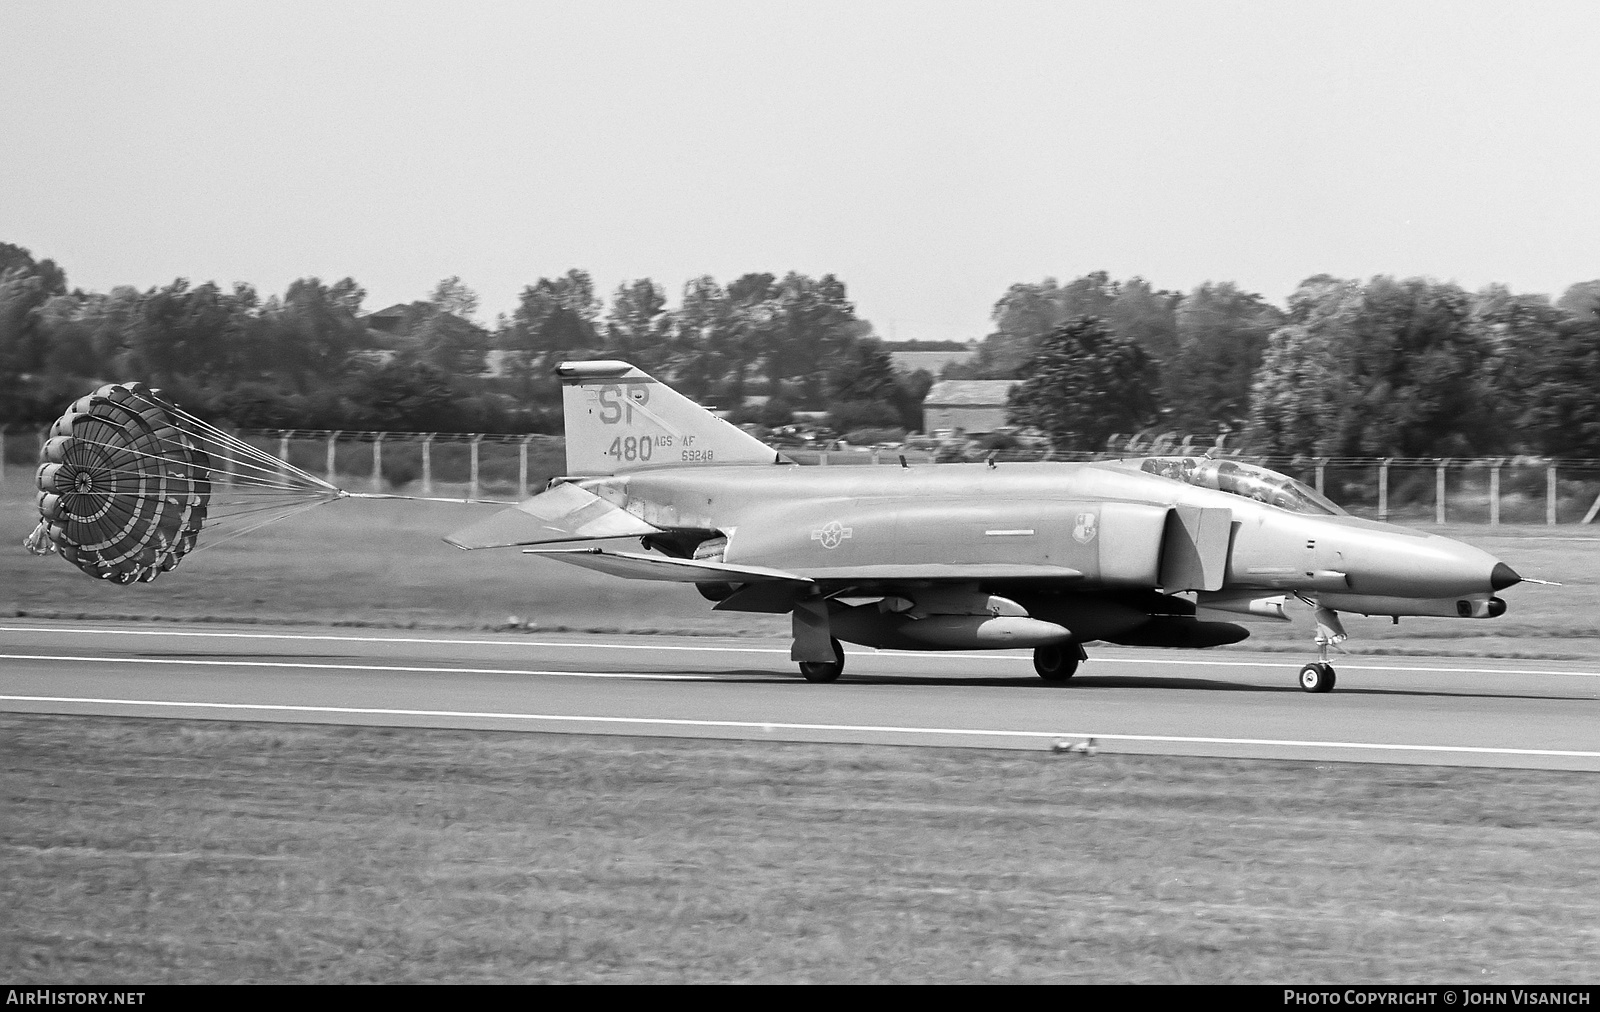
(1319, 675)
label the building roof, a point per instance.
(402, 317)
(968, 394)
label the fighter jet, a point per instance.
(1049, 556)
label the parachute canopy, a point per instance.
(126, 484)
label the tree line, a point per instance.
(761, 345)
(1349, 368)
(1382, 367)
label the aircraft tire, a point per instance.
(1317, 677)
(824, 671)
(1055, 663)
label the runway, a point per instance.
(1445, 711)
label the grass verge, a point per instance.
(180, 851)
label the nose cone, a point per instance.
(1406, 564)
(1503, 576)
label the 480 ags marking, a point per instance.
(642, 448)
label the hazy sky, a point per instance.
(929, 154)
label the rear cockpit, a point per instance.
(1247, 480)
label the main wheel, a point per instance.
(1317, 677)
(824, 671)
(1055, 663)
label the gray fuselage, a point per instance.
(1077, 526)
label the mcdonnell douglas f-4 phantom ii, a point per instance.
(969, 556)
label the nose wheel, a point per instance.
(1317, 677)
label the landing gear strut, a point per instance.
(824, 671)
(1319, 675)
(1058, 661)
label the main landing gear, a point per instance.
(1319, 676)
(1058, 661)
(824, 671)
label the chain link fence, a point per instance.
(1504, 490)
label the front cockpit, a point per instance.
(1247, 480)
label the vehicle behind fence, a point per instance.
(1509, 490)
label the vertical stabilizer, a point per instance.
(620, 419)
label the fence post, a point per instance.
(377, 461)
(1494, 493)
(427, 464)
(1322, 470)
(1383, 488)
(283, 453)
(1550, 495)
(822, 458)
(477, 437)
(522, 468)
(1438, 489)
(333, 439)
(2, 455)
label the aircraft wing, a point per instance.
(658, 567)
(564, 513)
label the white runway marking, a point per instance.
(930, 655)
(362, 667)
(1342, 666)
(777, 725)
(427, 640)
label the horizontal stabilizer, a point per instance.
(564, 513)
(659, 567)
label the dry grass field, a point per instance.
(173, 851)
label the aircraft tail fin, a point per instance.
(618, 418)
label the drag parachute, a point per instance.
(127, 481)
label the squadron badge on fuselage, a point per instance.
(1085, 529)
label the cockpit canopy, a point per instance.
(1246, 480)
